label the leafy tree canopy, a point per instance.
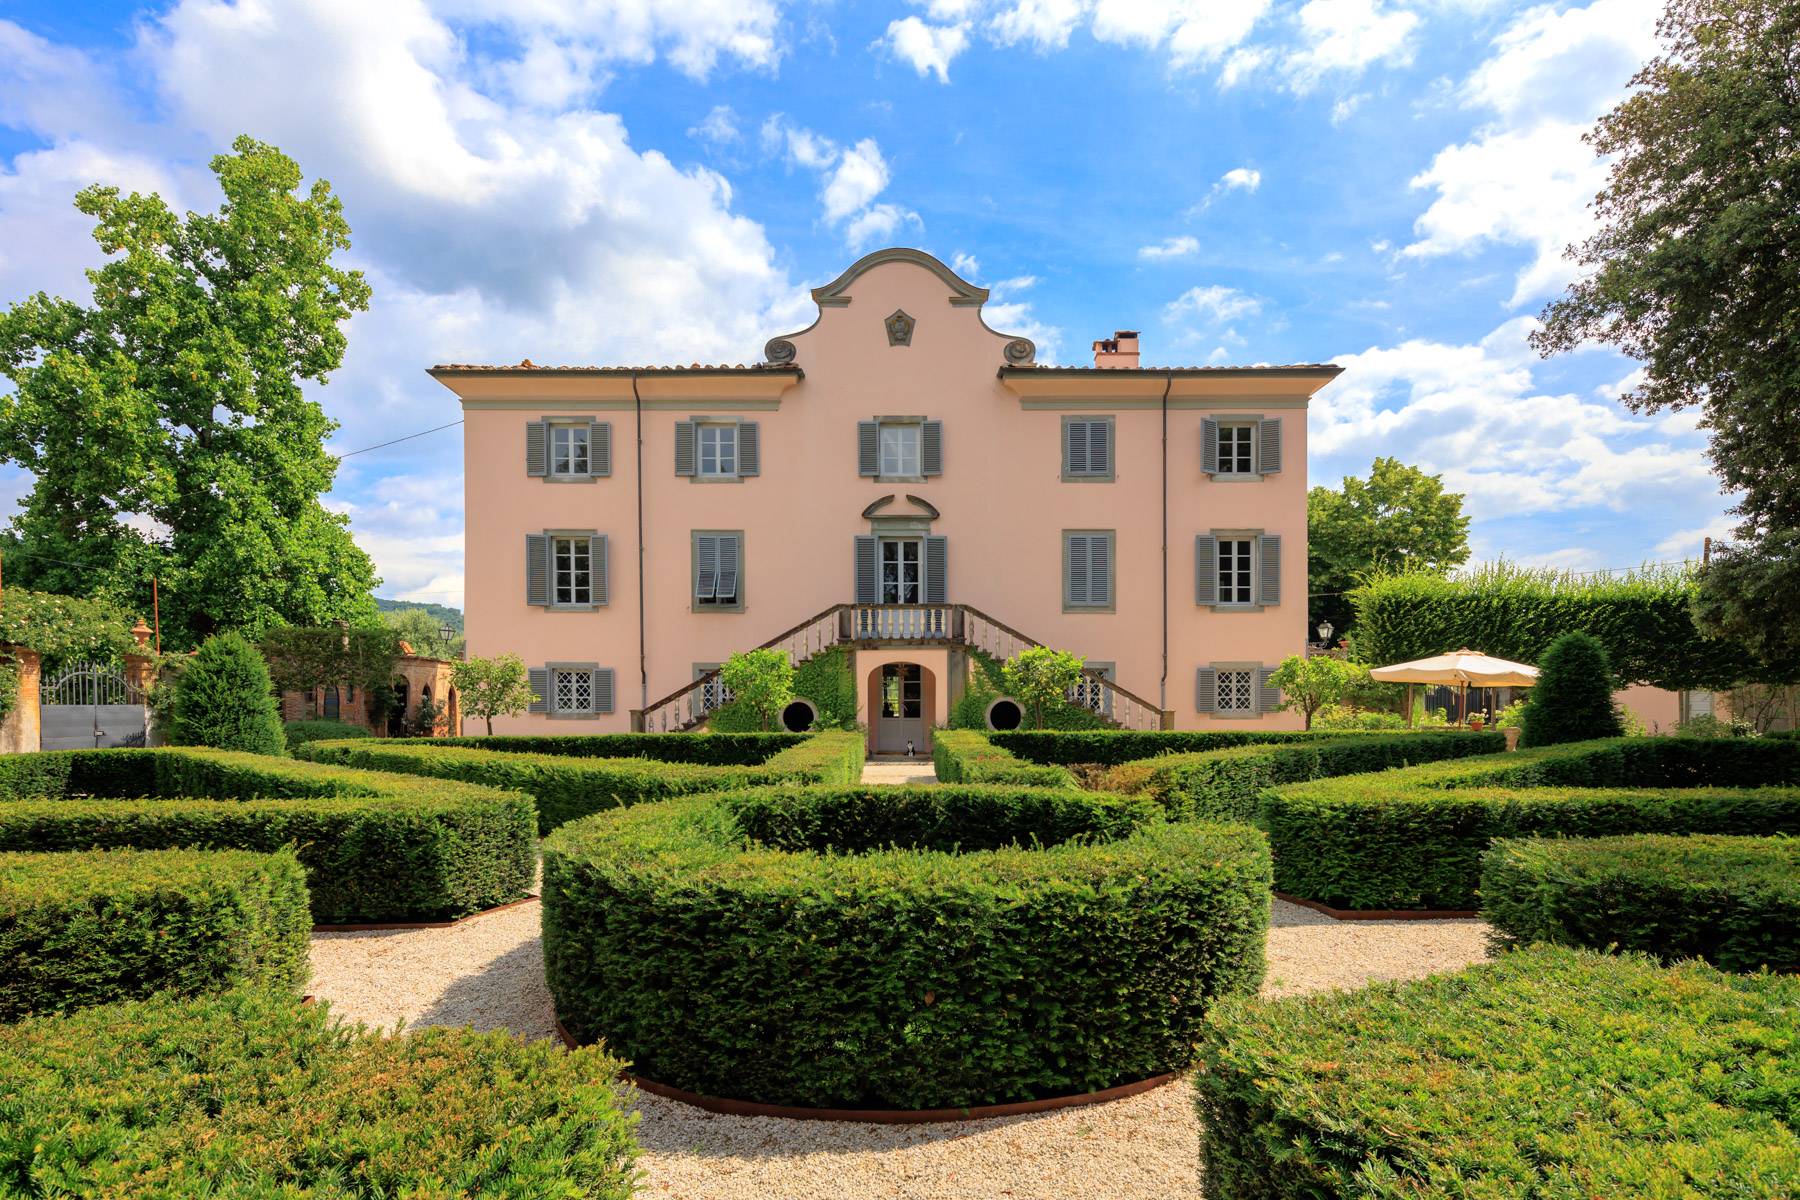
(302, 658)
(1309, 684)
(423, 632)
(761, 681)
(1038, 677)
(165, 422)
(1398, 519)
(224, 698)
(493, 687)
(64, 629)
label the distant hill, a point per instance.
(442, 613)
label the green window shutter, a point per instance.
(1268, 696)
(1206, 569)
(1268, 585)
(937, 557)
(684, 447)
(749, 448)
(866, 591)
(1100, 568)
(1268, 445)
(539, 678)
(1209, 445)
(537, 569)
(1206, 690)
(599, 448)
(706, 569)
(1075, 568)
(1100, 457)
(537, 448)
(602, 689)
(931, 448)
(1075, 448)
(868, 449)
(598, 564)
(730, 551)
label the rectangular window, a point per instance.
(1088, 691)
(1237, 449)
(718, 571)
(902, 692)
(900, 449)
(718, 451)
(1087, 448)
(1236, 577)
(571, 690)
(571, 570)
(1237, 693)
(569, 450)
(900, 571)
(711, 695)
(1087, 568)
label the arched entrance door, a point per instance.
(900, 716)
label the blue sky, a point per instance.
(1380, 184)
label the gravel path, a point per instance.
(488, 972)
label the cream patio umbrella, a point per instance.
(1462, 668)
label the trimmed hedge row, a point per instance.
(1414, 838)
(701, 749)
(1733, 901)
(376, 847)
(1110, 747)
(298, 733)
(1549, 1073)
(904, 977)
(103, 925)
(250, 1094)
(571, 784)
(1227, 785)
(964, 756)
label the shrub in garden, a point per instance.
(1110, 747)
(249, 1093)
(761, 682)
(1039, 678)
(964, 756)
(987, 683)
(1572, 701)
(899, 947)
(825, 679)
(298, 733)
(1734, 901)
(100, 925)
(224, 699)
(1551, 1072)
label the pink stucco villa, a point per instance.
(900, 479)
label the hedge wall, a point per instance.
(1733, 901)
(1110, 747)
(1548, 1073)
(250, 1094)
(1227, 785)
(102, 925)
(701, 749)
(298, 733)
(910, 977)
(376, 847)
(570, 786)
(964, 756)
(986, 685)
(1414, 838)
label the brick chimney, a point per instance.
(1119, 350)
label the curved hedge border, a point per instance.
(1414, 838)
(251, 1094)
(572, 783)
(1550, 1072)
(964, 756)
(1110, 747)
(376, 847)
(701, 749)
(899, 978)
(1227, 785)
(1733, 901)
(103, 925)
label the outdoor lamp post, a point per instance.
(1325, 633)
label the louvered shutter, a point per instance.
(1268, 445)
(1075, 568)
(599, 448)
(937, 558)
(1206, 690)
(1100, 569)
(1206, 569)
(931, 448)
(537, 569)
(598, 564)
(537, 448)
(1268, 696)
(603, 690)
(1268, 584)
(866, 591)
(684, 447)
(706, 569)
(749, 458)
(729, 554)
(1100, 448)
(1209, 445)
(1075, 448)
(539, 679)
(868, 450)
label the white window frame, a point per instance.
(1251, 427)
(713, 695)
(581, 585)
(1088, 693)
(582, 677)
(579, 437)
(910, 435)
(722, 432)
(1250, 685)
(1252, 560)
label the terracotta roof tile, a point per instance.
(528, 365)
(1184, 370)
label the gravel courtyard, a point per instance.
(488, 972)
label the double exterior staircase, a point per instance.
(868, 626)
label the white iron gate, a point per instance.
(89, 706)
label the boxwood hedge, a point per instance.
(1227, 785)
(376, 847)
(1110, 747)
(899, 947)
(101, 925)
(1550, 1073)
(1414, 838)
(250, 1094)
(702, 749)
(964, 756)
(1733, 901)
(571, 783)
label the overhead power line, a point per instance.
(396, 441)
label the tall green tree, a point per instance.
(424, 633)
(165, 421)
(1039, 677)
(1695, 271)
(1398, 519)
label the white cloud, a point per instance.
(1191, 33)
(877, 224)
(1175, 247)
(1008, 314)
(1213, 304)
(966, 265)
(551, 74)
(719, 126)
(1346, 37)
(860, 176)
(929, 48)
(1242, 178)
(1690, 543)
(851, 180)
(692, 34)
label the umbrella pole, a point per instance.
(1409, 706)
